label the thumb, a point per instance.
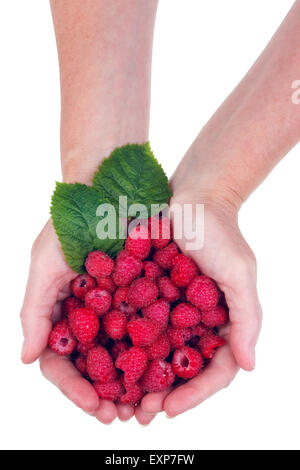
(245, 315)
(40, 298)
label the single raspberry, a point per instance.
(185, 315)
(80, 364)
(98, 300)
(142, 292)
(69, 304)
(158, 376)
(138, 243)
(84, 323)
(115, 323)
(99, 264)
(134, 363)
(120, 302)
(118, 348)
(152, 270)
(127, 268)
(165, 256)
(216, 317)
(186, 362)
(143, 332)
(183, 270)
(160, 230)
(106, 283)
(209, 343)
(160, 349)
(158, 312)
(109, 390)
(179, 336)
(84, 348)
(167, 289)
(202, 292)
(100, 366)
(82, 284)
(61, 339)
(134, 393)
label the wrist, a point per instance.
(196, 180)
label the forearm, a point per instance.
(254, 128)
(104, 51)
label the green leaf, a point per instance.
(134, 172)
(73, 212)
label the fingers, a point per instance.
(215, 377)
(125, 412)
(62, 373)
(143, 418)
(106, 412)
(153, 402)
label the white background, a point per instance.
(202, 49)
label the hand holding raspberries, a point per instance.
(233, 277)
(155, 329)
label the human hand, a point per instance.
(227, 259)
(47, 286)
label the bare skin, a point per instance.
(105, 87)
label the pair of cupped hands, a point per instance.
(225, 257)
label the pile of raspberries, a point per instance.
(143, 322)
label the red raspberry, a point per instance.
(179, 336)
(167, 289)
(134, 363)
(106, 283)
(82, 284)
(100, 366)
(98, 300)
(185, 315)
(216, 317)
(158, 376)
(85, 348)
(152, 270)
(183, 270)
(203, 293)
(109, 391)
(186, 362)
(138, 243)
(115, 323)
(99, 264)
(209, 343)
(69, 304)
(61, 339)
(118, 348)
(134, 393)
(80, 364)
(160, 349)
(142, 292)
(165, 256)
(127, 268)
(143, 332)
(158, 312)
(84, 323)
(160, 230)
(120, 301)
